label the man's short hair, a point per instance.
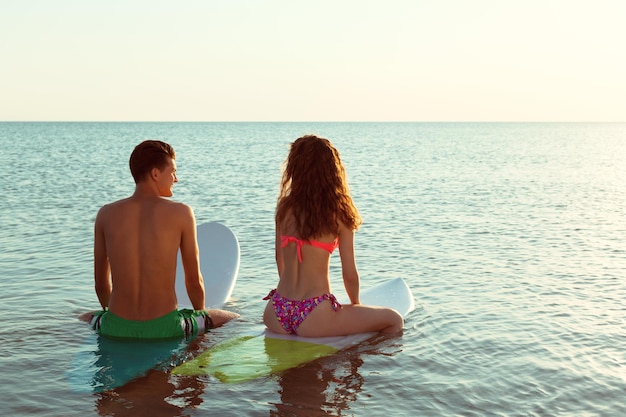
(147, 155)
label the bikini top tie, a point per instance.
(328, 247)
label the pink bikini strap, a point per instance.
(285, 240)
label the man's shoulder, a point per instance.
(113, 205)
(128, 206)
(174, 204)
(111, 211)
(177, 208)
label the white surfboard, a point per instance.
(219, 264)
(251, 356)
(103, 363)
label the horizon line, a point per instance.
(315, 121)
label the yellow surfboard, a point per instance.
(249, 357)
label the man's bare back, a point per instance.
(136, 245)
(141, 236)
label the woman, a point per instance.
(314, 215)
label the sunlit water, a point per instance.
(511, 236)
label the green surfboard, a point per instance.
(249, 357)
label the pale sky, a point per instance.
(322, 60)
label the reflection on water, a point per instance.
(330, 385)
(104, 363)
(322, 387)
(157, 394)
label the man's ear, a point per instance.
(154, 173)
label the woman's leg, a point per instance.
(323, 321)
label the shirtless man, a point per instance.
(135, 249)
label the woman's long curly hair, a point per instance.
(314, 191)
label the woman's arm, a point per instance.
(348, 264)
(278, 252)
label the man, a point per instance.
(135, 248)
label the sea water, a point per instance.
(511, 236)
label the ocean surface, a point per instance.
(511, 236)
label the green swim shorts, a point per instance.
(179, 323)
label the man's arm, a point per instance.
(102, 269)
(191, 263)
